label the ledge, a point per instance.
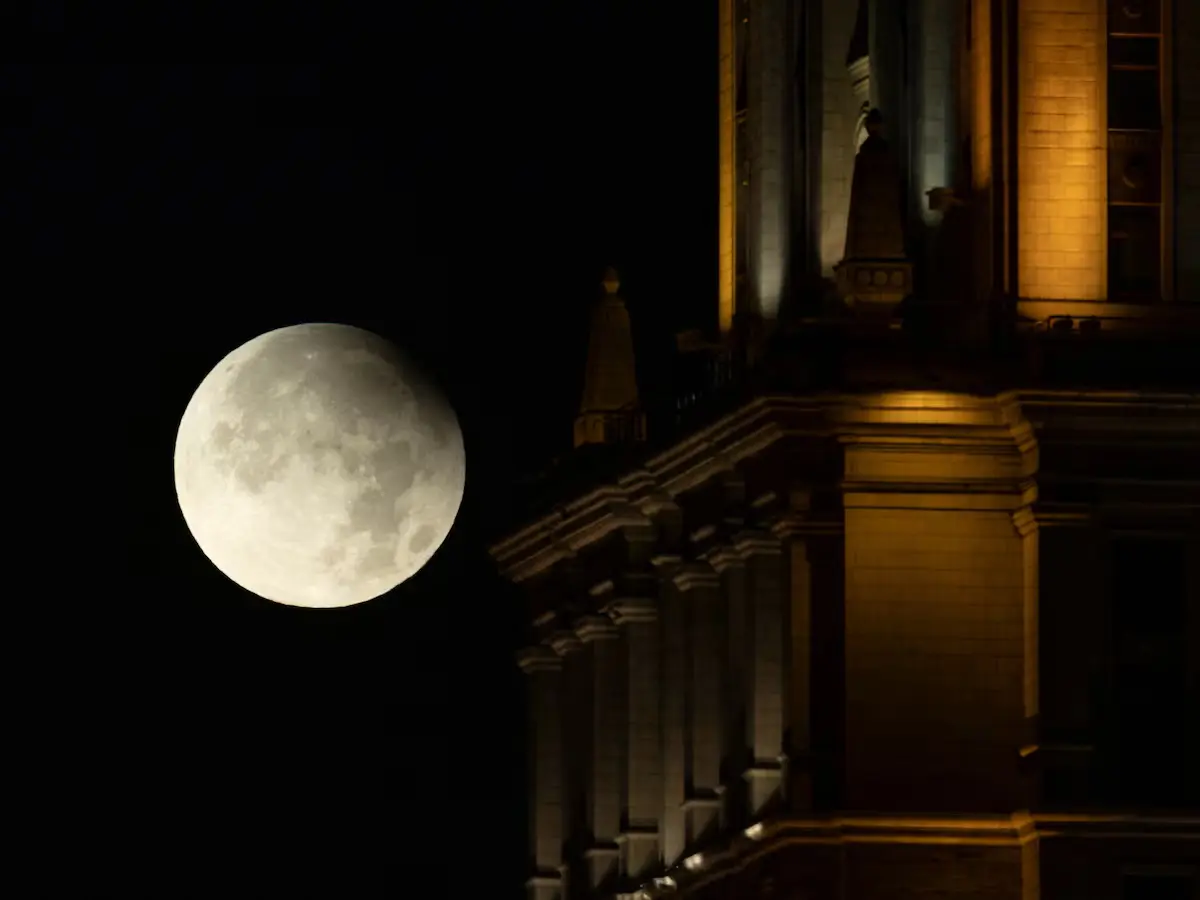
(1012, 421)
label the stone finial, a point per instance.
(873, 122)
(609, 411)
(612, 281)
(875, 274)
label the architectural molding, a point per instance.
(539, 658)
(696, 575)
(595, 628)
(564, 642)
(629, 610)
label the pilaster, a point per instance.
(601, 649)
(730, 569)
(637, 618)
(544, 668)
(700, 589)
(574, 716)
(766, 581)
(675, 709)
(808, 544)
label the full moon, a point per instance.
(317, 466)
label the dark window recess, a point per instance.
(1158, 887)
(1140, 52)
(1134, 167)
(1134, 255)
(1149, 711)
(1149, 584)
(1133, 99)
(1134, 16)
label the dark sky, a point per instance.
(456, 182)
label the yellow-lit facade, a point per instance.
(918, 615)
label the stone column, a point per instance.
(574, 714)
(935, 142)
(769, 120)
(637, 618)
(731, 571)
(605, 763)
(766, 582)
(544, 668)
(799, 678)
(674, 721)
(700, 590)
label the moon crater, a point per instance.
(317, 466)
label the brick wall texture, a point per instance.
(1061, 194)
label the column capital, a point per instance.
(757, 543)
(695, 575)
(564, 642)
(628, 610)
(724, 557)
(801, 525)
(666, 563)
(595, 628)
(538, 658)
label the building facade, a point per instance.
(904, 599)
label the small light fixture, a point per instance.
(694, 862)
(755, 831)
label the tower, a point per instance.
(886, 628)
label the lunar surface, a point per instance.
(316, 466)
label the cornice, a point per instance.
(539, 658)
(631, 610)
(906, 422)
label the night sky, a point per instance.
(457, 183)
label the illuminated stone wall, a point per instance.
(935, 102)
(839, 114)
(1187, 149)
(983, 193)
(769, 121)
(1061, 150)
(940, 610)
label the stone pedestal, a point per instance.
(873, 288)
(874, 275)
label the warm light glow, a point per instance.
(981, 96)
(1061, 148)
(694, 863)
(727, 255)
(755, 831)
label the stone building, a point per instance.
(903, 597)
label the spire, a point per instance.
(875, 275)
(609, 411)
